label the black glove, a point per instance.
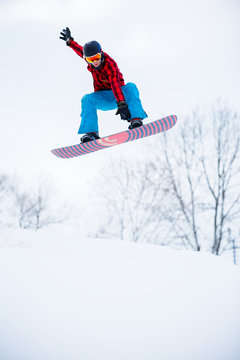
(123, 111)
(66, 35)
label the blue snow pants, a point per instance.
(105, 100)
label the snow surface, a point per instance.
(69, 298)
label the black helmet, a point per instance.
(91, 48)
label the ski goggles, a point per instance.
(93, 58)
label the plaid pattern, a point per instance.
(107, 77)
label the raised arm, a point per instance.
(76, 47)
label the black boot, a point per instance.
(90, 137)
(135, 123)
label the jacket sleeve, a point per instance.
(114, 79)
(76, 47)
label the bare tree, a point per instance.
(232, 244)
(221, 174)
(181, 178)
(23, 206)
(34, 207)
(124, 202)
(201, 170)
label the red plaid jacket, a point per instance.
(107, 77)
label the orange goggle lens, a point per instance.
(93, 58)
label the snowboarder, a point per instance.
(110, 90)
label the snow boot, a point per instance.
(90, 137)
(134, 123)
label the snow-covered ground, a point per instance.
(69, 298)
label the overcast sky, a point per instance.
(179, 53)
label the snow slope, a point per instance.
(69, 298)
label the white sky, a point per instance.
(195, 45)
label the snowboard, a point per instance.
(149, 129)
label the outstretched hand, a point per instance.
(66, 35)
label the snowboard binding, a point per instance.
(90, 137)
(135, 123)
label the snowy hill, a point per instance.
(70, 298)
